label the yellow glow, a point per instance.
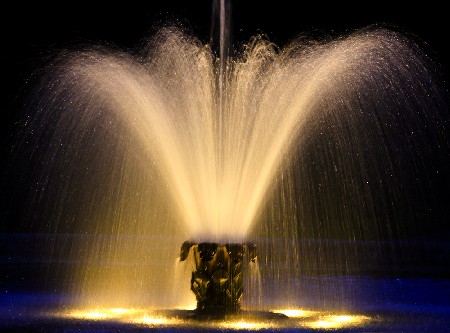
(154, 320)
(305, 318)
(186, 307)
(337, 321)
(104, 313)
(245, 325)
(126, 315)
(89, 314)
(324, 324)
(344, 319)
(295, 313)
(123, 311)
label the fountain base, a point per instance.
(223, 316)
(217, 278)
(402, 309)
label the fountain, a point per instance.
(132, 155)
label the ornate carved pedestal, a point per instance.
(217, 277)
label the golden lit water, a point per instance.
(298, 318)
(137, 152)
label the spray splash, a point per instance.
(152, 146)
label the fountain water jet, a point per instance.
(168, 161)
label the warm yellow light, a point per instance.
(96, 314)
(245, 325)
(304, 318)
(295, 313)
(119, 314)
(344, 319)
(123, 311)
(323, 324)
(337, 321)
(154, 320)
(186, 307)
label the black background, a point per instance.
(32, 34)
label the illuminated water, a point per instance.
(130, 154)
(417, 305)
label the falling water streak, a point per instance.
(182, 295)
(130, 147)
(253, 294)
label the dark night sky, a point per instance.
(32, 34)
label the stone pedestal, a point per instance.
(217, 278)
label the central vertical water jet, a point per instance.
(220, 46)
